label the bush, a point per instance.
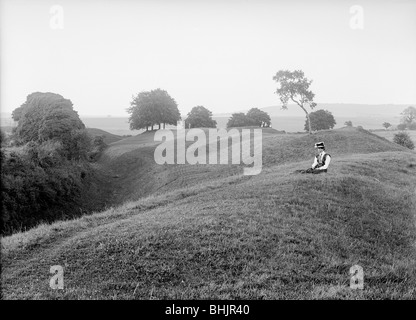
(403, 139)
(401, 126)
(98, 146)
(38, 184)
(50, 153)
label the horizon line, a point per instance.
(9, 113)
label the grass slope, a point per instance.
(108, 137)
(276, 235)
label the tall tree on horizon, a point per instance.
(153, 107)
(239, 119)
(295, 87)
(320, 120)
(260, 117)
(45, 115)
(200, 117)
(48, 116)
(386, 125)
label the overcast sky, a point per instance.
(219, 54)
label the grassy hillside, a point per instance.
(210, 232)
(108, 137)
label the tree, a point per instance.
(45, 116)
(409, 115)
(239, 119)
(49, 116)
(153, 107)
(200, 117)
(348, 123)
(404, 140)
(386, 125)
(259, 117)
(320, 120)
(295, 87)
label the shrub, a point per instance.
(401, 126)
(38, 184)
(99, 143)
(403, 139)
(50, 153)
(98, 146)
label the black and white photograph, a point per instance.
(208, 156)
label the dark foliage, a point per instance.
(259, 117)
(239, 119)
(44, 167)
(149, 108)
(200, 117)
(320, 120)
(49, 116)
(404, 140)
(38, 184)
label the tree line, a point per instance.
(157, 108)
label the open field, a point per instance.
(207, 231)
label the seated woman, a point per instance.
(320, 162)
